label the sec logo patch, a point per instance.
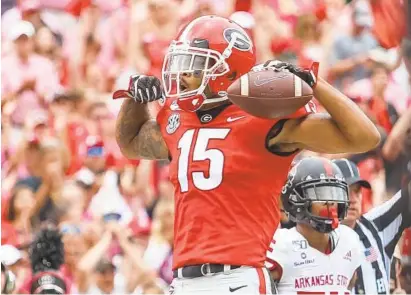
(173, 123)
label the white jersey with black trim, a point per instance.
(305, 270)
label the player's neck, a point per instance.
(315, 239)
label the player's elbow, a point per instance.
(367, 138)
(130, 152)
(373, 137)
(126, 147)
(126, 151)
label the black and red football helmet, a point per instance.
(313, 180)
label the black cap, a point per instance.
(351, 173)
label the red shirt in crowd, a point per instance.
(406, 247)
(380, 111)
(76, 140)
(389, 21)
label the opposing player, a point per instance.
(318, 256)
(222, 158)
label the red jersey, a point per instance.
(226, 185)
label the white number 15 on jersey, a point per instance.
(201, 153)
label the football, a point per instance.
(269, 93)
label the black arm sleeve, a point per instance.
(275, 131)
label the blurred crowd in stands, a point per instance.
(60, 164)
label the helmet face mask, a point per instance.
(184, 59)
(307, 187)
(305, 195)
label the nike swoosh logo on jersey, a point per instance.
(260, 82)
(237, 288)
(231, 119)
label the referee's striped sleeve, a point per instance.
(392, 217)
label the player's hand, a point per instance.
(141, 89)
(307, 75)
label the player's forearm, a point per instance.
(137, 135)
(131, 118)
(353, 124)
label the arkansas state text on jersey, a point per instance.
(306, 270)
(226, 184)
(321, 280)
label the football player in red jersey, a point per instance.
(222, 159)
